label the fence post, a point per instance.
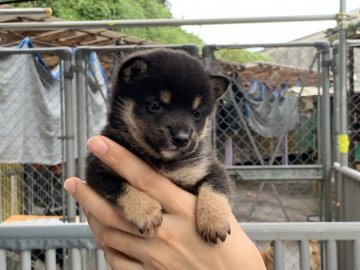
(70, 145)
(2, 259)
(304, 254)
(50, 259)
(25, 260)
(279, 255)
(81, 102)
(343, 137)
(326, 130)
(69, 129)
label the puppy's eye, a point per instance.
(154, 107)
(196, 114)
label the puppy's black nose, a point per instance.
(180, 138)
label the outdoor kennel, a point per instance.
(287, 131)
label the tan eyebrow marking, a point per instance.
(165, 96)
(196, 103)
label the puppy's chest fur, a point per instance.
(188, 174)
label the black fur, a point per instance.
(165, 132)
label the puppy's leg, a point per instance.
(212, 214)
(140, 209)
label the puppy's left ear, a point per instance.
(133, 68)
(219, 84)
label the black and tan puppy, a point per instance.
(160, 110)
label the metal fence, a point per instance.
(270, 122)
(35, 112)
(285, 236)
(272, 130)
(280, 174)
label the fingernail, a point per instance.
(97, 145)
(70, 186)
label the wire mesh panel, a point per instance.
(32, 152)
(354, 106)
(31, 132)
(270, 116)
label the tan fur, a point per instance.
(207, 128)
(196, 103)
(134, 126)
(268, 256)
(140, 209)
(314, 255)
(165, 96)
(213, 212)
(189, 174)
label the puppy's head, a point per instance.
(163, 99)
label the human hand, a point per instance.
(176, 244)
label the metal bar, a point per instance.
(191, 48)
(81, 114)
(25, 11)
(277, 173)
(75, 259)
(295, 231)
(51, 236)
(279, 255)
(1, 203)
(13, 197)
(84, 259)
(349, 172)
(69, 137)
(331, 255)
(356, 256)
(336, 123)
(326, 133)
(60, 51)
(25, 260)
(304, 254)
(342, 72)
(2, 259)
(50, 259)
(158, 22)
(266, 45)
(100, 260)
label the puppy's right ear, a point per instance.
(132, 68)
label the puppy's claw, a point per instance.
(150, 224)
(141, 210)
(211, 234)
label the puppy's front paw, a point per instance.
(212, 215)
(212, 228)
(140, 209)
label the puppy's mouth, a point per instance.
(173, 152)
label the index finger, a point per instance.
(140, 175)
